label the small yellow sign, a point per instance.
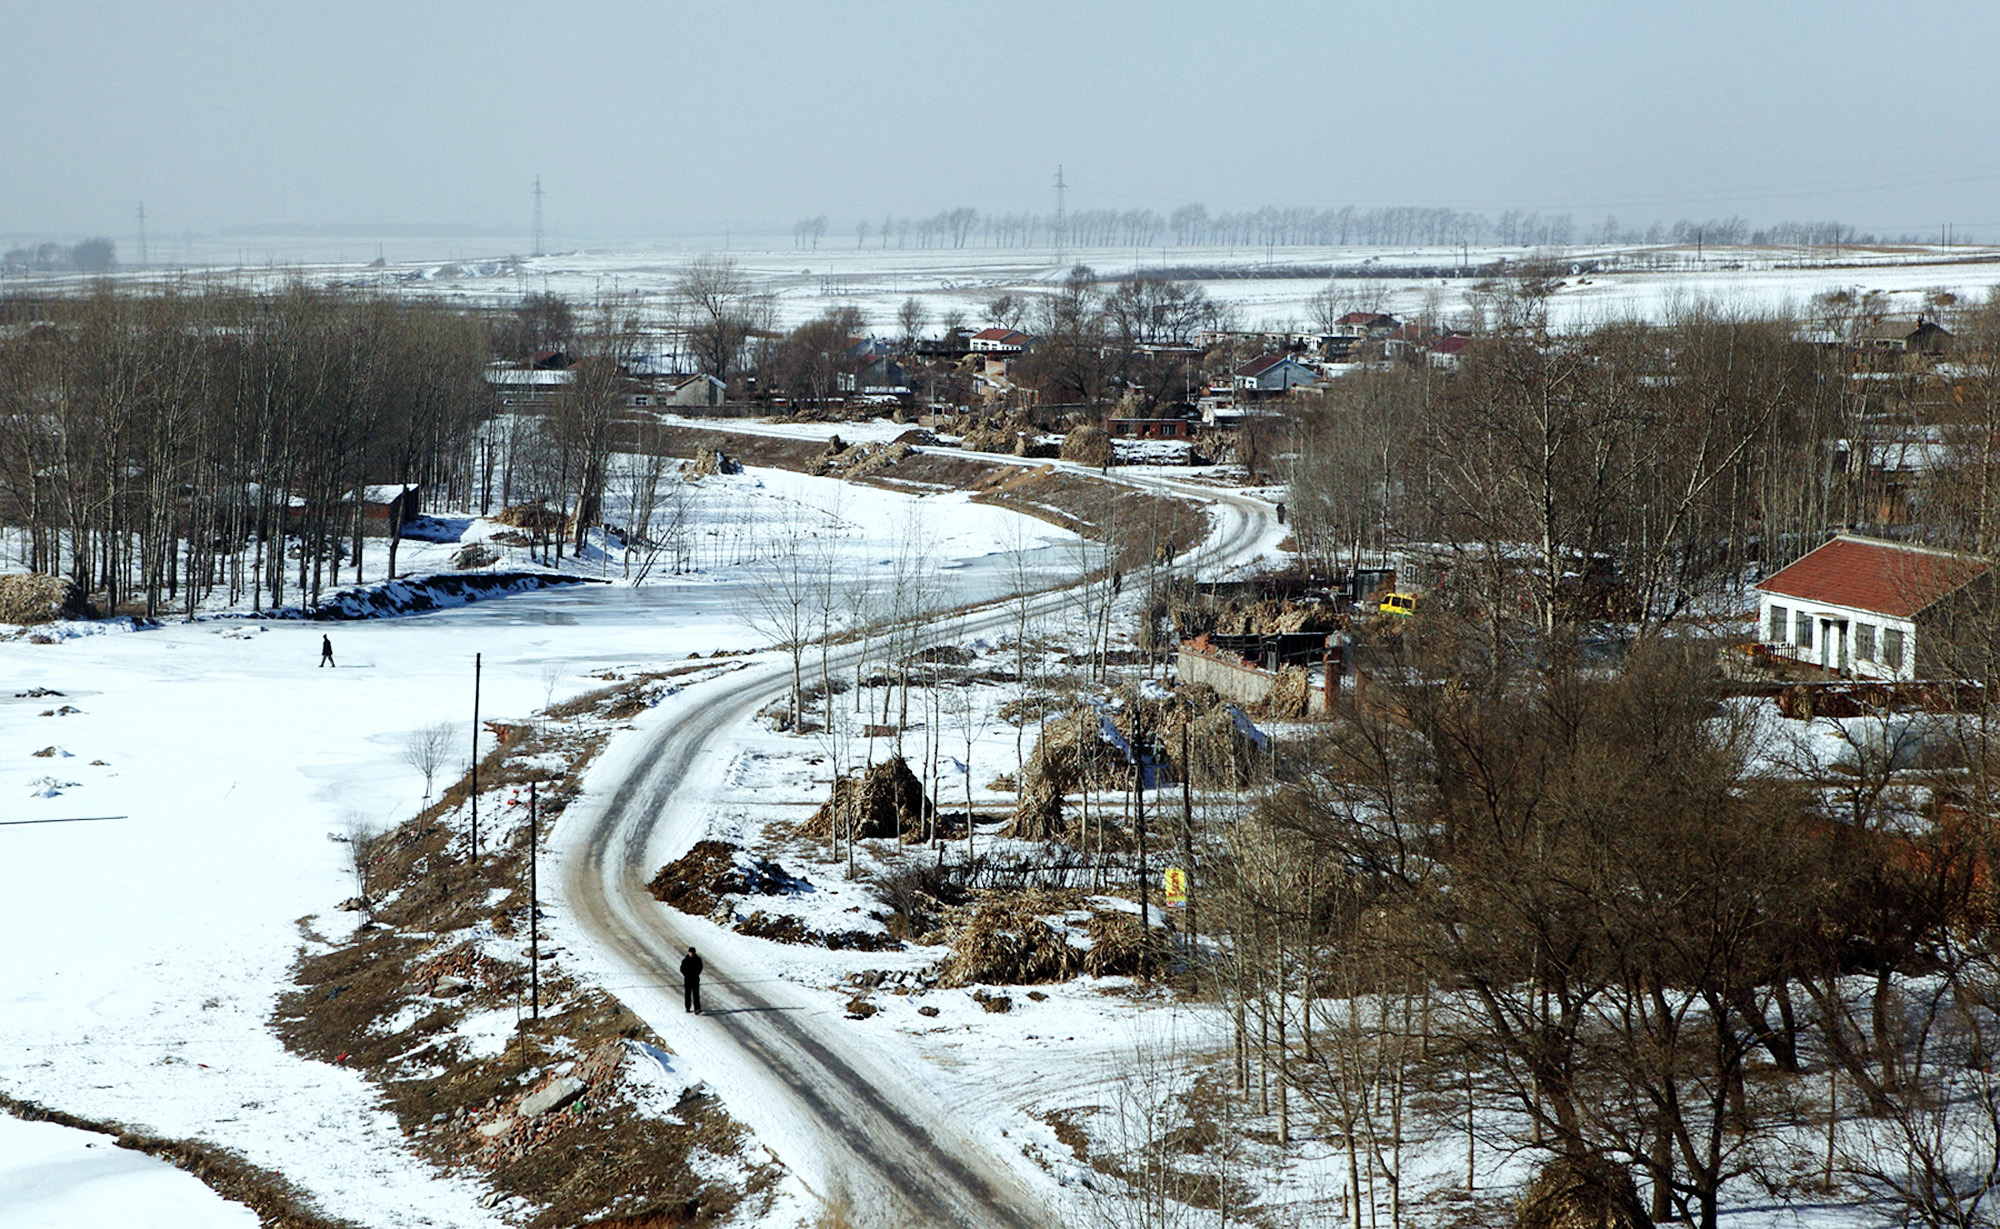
(1176, 887)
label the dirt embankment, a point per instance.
(558, 1113)
(417, 595)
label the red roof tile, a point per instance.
(1883, 577)
(1259, 365)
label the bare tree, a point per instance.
(429, 748)
(714, 295)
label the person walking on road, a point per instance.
(691, 982)
(326, 651)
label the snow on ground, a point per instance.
(1263, 285)
(200, 774)
(56, 1177)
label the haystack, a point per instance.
(1087, 445)
(1075, 748)
(1006, 941)
(871, 459)
(34, 597)
(825, 461)
(708, 461)
(1290, 692)
(1067, 748)
(1586, 1192)
(885, 801)
(1115, 940)
(1010, 940)
(533, 516)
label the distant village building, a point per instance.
(387, 508)
(523, 388)
(999, 341)
(1926, 336)
(1365, 324)
(1177, 423)
(1877, 609)
(1272, 374)
(1446, 351)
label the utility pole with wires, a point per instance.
(538, 215)
(1139, 746)
(1062, 216)
(475, 756)
(534, 914)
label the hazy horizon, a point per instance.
(675, 124)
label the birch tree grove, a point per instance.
(166, 447)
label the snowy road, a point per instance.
(861, 1135)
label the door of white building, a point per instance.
(1833, 643)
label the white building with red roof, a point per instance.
(1000, 341)
(1876, 609)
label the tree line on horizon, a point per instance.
(1193, 225)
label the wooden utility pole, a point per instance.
(1139, 814)
(1187, 825)
(534, 912)
(475, 756)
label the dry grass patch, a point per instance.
(554, 1117)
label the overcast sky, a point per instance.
(661, 119)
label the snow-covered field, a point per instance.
(200, 775)
(55, 1177)
(196, 778)
(1269, 287)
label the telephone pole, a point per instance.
(538, 215)
(475, 757)
(534, 914)
(1139, 737)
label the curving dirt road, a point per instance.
(861, 1135)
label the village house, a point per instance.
(1445, 352)
(686, 390)
(1270, 375)
(1926, 336)
(1877, 610)
(999, 341)
(519, 388)
(1365, 324)
(387, 508)
(1172, 423)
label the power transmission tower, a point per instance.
(142, 234)
(538, 215)
(1062, 218)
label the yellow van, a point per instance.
(1402, 605)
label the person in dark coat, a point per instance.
(691, 982)
(326, 651)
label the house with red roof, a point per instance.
(1365, 324)
(1000, 341)
(1875, 609)
(1444, 353)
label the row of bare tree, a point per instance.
(1607, 917)
(158, 447)
(1641, 470)
(1600, 910)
